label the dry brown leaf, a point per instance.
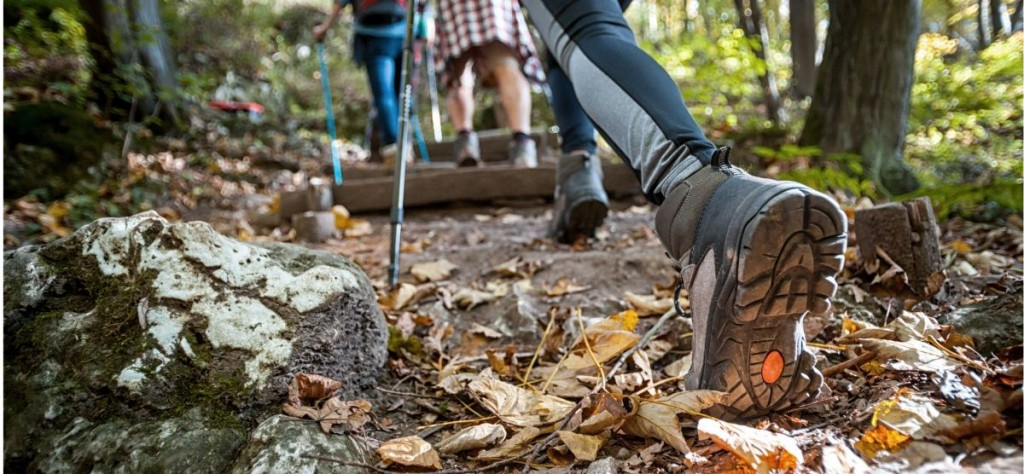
(564, 287)
(399, 297)
(307, 389)
(604, 413)
(910, 355)
(474, 437)
(649, 305)
(468, 298)
(516, 268)
(358, 228)
(624, 321)
(410, 451)
(584, 447)
(515, 405)
(604, 346)
(680, 367)
(988, 423)
(762, 450)
(351, 414)
(484, 331)
(657, 418)
(515, 445)
(840, 459)
(433, 271)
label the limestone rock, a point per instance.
(279, 444)
(136, 319)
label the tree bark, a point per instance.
(984, 38)
(1000, 19)
(804, 46)
(861, 100)
(1017, 17)
(753, 27)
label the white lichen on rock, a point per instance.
(226, 283)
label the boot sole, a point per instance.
(584, 217)
(759, 356)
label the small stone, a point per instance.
(608, 465)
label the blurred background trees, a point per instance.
(873, 98)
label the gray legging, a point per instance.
(633, 102)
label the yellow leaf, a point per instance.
(604, 346)
(881, 438)
(433, 271)
(342, 218)
(873, 367)
(961, 247)
(474, 437)
(584, 447)
(657, 418)
(410, 451)
(762, 450)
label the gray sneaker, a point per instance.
(467, 150)
(580, 201)
(756, 256)
(522, 153)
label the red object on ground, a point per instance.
(250, 107)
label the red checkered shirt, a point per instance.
(465, 24)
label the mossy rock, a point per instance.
(136, 320)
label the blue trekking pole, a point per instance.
(325, 84)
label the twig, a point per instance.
(643, 342)
(483, 358)
(558, 367)
(586, 342)
(458, 422)
(856, 361)
(410, 394)
(543, 339)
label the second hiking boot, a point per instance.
(522, 152)
(580, 201)
(467, 149)
(756, 256)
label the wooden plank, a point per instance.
(484, 184)
(493, 146)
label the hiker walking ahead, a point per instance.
(377, 45)
(756, 255)
(490, 38)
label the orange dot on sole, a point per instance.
(771, 370)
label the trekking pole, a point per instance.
(404, 134)
(435, 111)
(325, 84)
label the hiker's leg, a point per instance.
(381, 67)
(460, 102)
(501, 63)
(574, 127)
(631, 99)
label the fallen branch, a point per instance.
(856, 361)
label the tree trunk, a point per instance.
(862, 96)
(753, 27)
(984, 39)
(1017, 18)
(1000, 19)
(804, 40)
(156, 53)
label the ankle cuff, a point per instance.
(570, 164)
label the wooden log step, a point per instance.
(488, 183)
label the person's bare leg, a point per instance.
(461, 107)
(513, 87)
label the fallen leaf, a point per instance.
(474, 437)
(333, 411)
(485, 331)
(881, 438)
(584, 447)
(910, 355)
(960, 247)
(358, 228)
(604, 413)
(988, 423)
(515, 405)
(565, 287)
(468, 298)
(399, 297)
(912, 415)
(342, 218)
(410, 451)
(649, 305)
(657, 418)
(839, 459)
(516, 268)
(604, 347)
(433, 271)
(515, 445)
(762, 450)
(680, 367)
(307, 389)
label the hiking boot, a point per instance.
(522, 152)
(756, 256)
(467, 150)
(580, 201)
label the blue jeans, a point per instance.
(382, 58)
